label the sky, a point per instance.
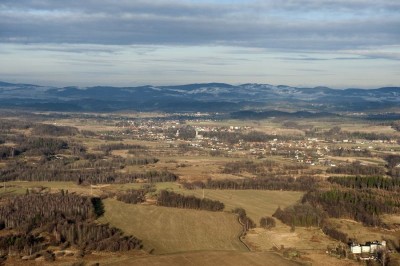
(306, 43)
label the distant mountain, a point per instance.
(213, 97)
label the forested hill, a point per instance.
(210, 97)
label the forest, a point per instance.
(242, 159)
(31, 223)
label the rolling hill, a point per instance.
(210, 97)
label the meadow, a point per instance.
(169, 230)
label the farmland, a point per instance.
(175, 230)
(253, 168)
(212, 258)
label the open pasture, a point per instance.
(169, 230)
(257, 203)
(210, 258)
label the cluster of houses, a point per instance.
(369, 250)
(311, 151)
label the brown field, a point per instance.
(192, 237)
(311, 242)
(368, 128)
(169, 230)
(365, 160)
(391, 219)
(195, 168)
(210, 258)
(19, 187)
(257, 203)
(362, 233)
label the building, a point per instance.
(367, 248)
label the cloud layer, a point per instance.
(339, 43)
(285, 24)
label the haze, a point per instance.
(333, 43)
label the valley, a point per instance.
(297, 173)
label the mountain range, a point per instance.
(211, 97)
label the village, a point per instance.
(204, 135)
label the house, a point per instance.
(367, 248)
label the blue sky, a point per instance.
(336, 43)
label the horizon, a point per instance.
(307, 43)
(196, 83)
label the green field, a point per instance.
(168, 230)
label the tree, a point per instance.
(267, 222)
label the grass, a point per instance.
(363, 233)
(19, 187)
(257, 203)
(210, 258)
(168, 230)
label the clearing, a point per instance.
(167, 230)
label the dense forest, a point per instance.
(32, 222)
(92, 171)
(300, 215)
(363, 205)
(360, 182)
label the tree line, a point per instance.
(337, 133)
(303, 183)
(134, 196)
(393, 165)
(368, 182)
(307, 215)
(59, 170)
(261, 168)
(343, 152)
(244, 220)
(247, 166)
(172, 199)
(6, 125)
(107, 148)
(53, 130)
(356, 168)
(252, 136)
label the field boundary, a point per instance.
(242, 234)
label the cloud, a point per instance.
(377, 54)
(307, 24)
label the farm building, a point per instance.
(368, 247)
